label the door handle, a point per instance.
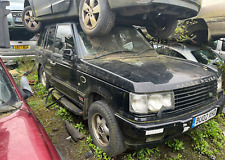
(52, 62)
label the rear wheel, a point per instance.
(96, 17)
(161, 26)
(29, 21)
(43, 78)
(104, 129)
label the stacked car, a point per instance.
(97, 17)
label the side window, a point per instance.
(50, 38)
(176, 54)
(64, 38)
(214, 45)
(161, 50)
(164, 50)
(41, 38)
(223, 46)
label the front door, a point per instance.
(62, 67)
(48, 49)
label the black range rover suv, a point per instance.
(131, 96)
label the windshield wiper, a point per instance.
(7, 109)
(143, 51)
(119, 51)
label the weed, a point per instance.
(64, 114)
(89, 139)
(200, 143)
(179, 157)
(33, 103)
(175, 145)
(128, 157)
(79, 126)
(40, 89)
(206, 134)
(100, 155)
(144, 153)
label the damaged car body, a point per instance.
(22, 135)
(130, 95)
(97, 17)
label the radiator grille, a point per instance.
(195, 95)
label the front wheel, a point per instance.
(29, 21)
(95, 16)
(104, 129)
(161, 26)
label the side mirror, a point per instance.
(26, 90)
(68, 54)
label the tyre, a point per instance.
(161, 26)
(95, 16)
(43, 78)
(104, 129)
(29, 21)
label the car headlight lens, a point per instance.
(151, 103)
(219, 84)
(138, 103)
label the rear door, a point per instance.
(42, 7)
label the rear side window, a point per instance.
(204, 56)
(64, 38)
(41, 38)
(214, 45)
(50, 38)
(176, 54)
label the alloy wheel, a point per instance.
(90, 13)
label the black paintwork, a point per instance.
(113, 77)
(142, 74)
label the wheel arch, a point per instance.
(199, 26)
(97, 93)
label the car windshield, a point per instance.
(206, 56)
(121, 40)
(9, 100)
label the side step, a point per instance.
(66, 103)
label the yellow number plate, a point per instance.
(21, 47)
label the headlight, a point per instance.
(151, 103)
(219, 84)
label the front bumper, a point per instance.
(144, 134)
